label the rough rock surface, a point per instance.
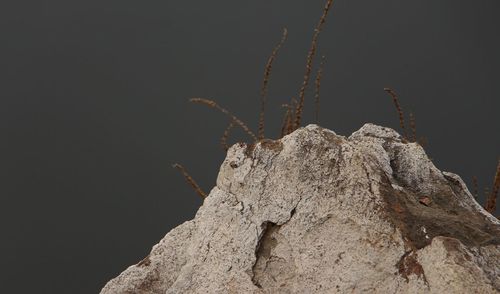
(316, 212)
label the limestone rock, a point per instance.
(316, 212)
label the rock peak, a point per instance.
(316, 212)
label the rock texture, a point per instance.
(316, 212)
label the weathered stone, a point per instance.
(316, 212)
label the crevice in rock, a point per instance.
(394, 164)
(266, 244)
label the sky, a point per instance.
(94, 109)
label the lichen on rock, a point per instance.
(316, 212)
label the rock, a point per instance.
(316, 212)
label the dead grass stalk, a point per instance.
(190, 180)
(265, 83)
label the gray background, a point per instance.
(93, 109)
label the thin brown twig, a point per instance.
(265, 82)
(487, 193)
(288, 123)
(236, 120)
(413, 128)
(309, 61)
(286, 120)
(491, 202)
(291, 127)
(395, 99)
(475, 187)
(319, 75)
(190, 180)
(223, 140)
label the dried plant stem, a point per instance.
(190, 180)
(309, 61)
(223, 140)
(491, 202)
(395, 99)
(236, 120)
(475, 187)
(319, 75)
(288, 122)
(265, 82)
(413, 128)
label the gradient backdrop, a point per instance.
(93, 109)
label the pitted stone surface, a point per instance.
(316, 212)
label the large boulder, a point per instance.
(315, 212)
